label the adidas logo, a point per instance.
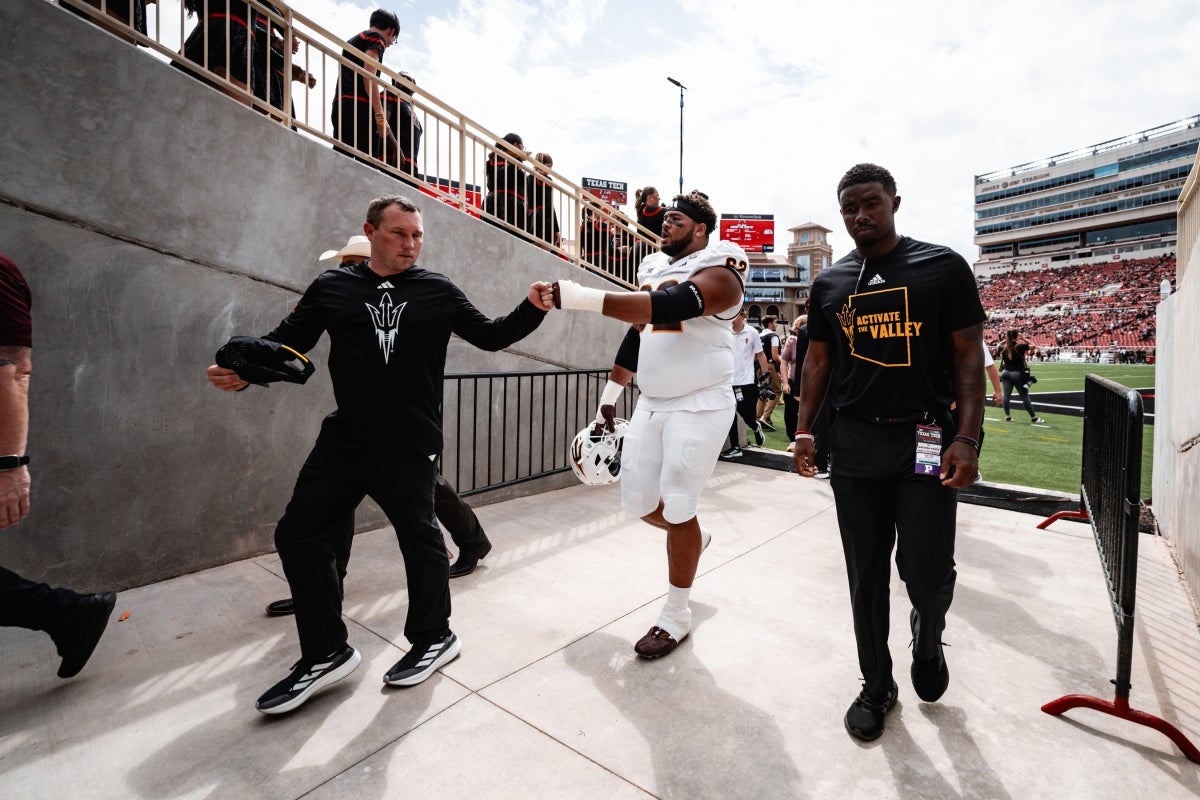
(878, 279)
(432, 653)
(385, 285)
(313, 674)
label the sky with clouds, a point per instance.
(783, 97)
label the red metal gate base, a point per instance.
(1055, 517)
(1120, 708)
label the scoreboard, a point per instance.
(754, 233)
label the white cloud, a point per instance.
(783, 97)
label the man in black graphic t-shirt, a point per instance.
(389, 322)
(895, 331)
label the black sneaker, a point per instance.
(864, 718)
(767, 425)
(307, 678)
(758, 435)
(77, 636)
(733, 452)
(931, 676)
(423, 660)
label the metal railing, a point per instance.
(1111, 479)
(502, 429)
(289, 70)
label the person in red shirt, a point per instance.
(75, 622)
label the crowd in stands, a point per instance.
(374, 121)
(1086, 309)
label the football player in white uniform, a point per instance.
(681, 346)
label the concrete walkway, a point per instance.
(548, 700)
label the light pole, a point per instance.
(682, 89)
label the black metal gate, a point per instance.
(506, 428)
(1111, 480)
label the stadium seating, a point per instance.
(1087, 309)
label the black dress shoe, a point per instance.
(80, 632)
(281, 608)
(467, 562)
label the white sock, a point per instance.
(676, 617)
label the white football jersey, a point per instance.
(688, 364)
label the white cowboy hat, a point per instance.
(355, 246)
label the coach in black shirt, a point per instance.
(389, 323)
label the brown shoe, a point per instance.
(655, 644)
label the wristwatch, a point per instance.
(12, 462)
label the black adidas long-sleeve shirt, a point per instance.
(388, 339)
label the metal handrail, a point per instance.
(506, 428)
(454, 151)
(1188, 226)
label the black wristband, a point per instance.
(968, 440)
(12, 462)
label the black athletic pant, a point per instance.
(791, 413)
(36, 606)
(913, 512)
(746, 407)
(1010, 379)
(451, 510)
(330, 486)
(458, 518)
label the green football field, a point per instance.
(1045, 456)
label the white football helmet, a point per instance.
(596, 459)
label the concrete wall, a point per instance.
(154, 218)
(1177, 424)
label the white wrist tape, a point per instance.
(611, 394)
(580, 298)
(609, 397)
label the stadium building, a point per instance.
(1110, 201)
(778, 286)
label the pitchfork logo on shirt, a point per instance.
(385, 316)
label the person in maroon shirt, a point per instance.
(75, 622)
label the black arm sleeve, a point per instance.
(676, 303)
(627, 353)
